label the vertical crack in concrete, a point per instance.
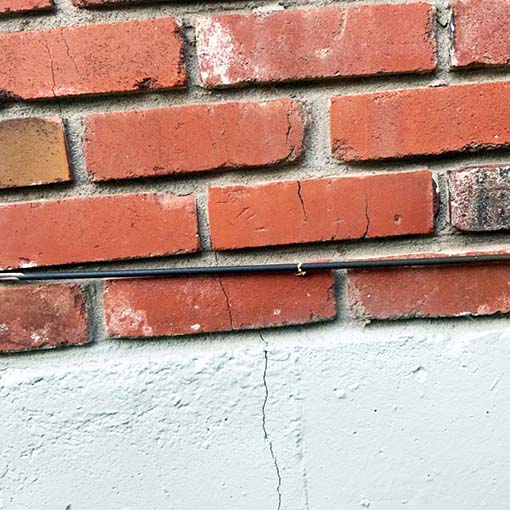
(264, 425)
(303, 208)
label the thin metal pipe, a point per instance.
(298, 268)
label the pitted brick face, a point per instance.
(481, 33)
(42, 316)
(448, 291)
(480, 198)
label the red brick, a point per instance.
(93, 59)
(194, 138)
(7, 6)
(321, 210)
(434, 291)
(33, 151)
(180, 306)
(97, 228)
(479, 198)
(316, 43)
(33, 317)
(425, 121)
(481, 33)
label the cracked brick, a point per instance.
(314, 210)
(181, 306)
(92, 59)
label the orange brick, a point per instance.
(33, 151)
(7, 6)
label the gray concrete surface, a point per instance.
(412, 415)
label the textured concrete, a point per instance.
(409, 416)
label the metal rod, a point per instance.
(298, 268)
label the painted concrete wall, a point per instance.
(411, 415)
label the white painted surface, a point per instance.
(412, 415)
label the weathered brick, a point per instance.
(481, 33)
(92, 59)
(33, 317)
(321, 210)
(424, 121)
(480, 198)
(179, 306)
(194, 138)
(316, 43)
(32, 151)
(434, 291)
(7, 6)
(97, 228)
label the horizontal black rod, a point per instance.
(298, 268)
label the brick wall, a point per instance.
(203, 133)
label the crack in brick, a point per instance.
(264, 424)
(229, 310)
(301, 200)
(367, 217)
(68, 51)
(292, 148)
(52, 70)
(227, 301)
